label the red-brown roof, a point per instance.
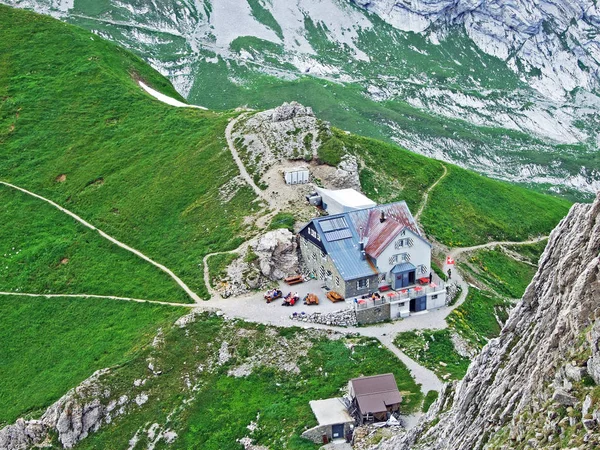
(375, 393)
(380, 234)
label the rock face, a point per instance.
(72, 417)
(277, 256)
(269, 257)
(523, 389)
(552, 36)
(290, 131)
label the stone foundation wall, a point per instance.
(374, 314)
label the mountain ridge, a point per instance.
(437, 92)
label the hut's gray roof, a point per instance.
(340, 236)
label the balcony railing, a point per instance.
(407, 293)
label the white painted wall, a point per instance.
(420, 254)
(400, 309)
(438, 302)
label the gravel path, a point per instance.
(426, 194)
(236, 157)
(109, 297)
(184, 286)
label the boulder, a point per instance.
(564, 398)
(289, 111)
(277, 255)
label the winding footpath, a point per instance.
(184, 286)
(238, 161)
(107, 297)
(426, 194)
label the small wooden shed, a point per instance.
(375, 397)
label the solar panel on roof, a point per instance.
(338, 235)
(333, 224)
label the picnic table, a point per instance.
(294, 279)
(334, 297)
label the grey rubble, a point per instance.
(521, 379)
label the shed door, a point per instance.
(337, 431)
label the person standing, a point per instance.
(430, 277)
(449, 274)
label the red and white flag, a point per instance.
(449, 260)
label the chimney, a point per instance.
(363, 255)
(361, 243)
(382, 218)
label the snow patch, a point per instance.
(166, 99)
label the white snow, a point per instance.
(166, 99)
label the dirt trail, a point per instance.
(236, 157)
(184, 286)
(458, 250)
(426, 194)
(108, 297)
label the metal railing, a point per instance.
(407, 293)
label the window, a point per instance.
(329, 274)
(322, 273)
(323, 254)
(434, 297)
(314, 234)
(405, 257)
(337, 281)
(423, 269)
(362, 284)
(314, 256)
(393, 260)
(381, 278)
(399, 244)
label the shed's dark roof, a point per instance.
(375, 393)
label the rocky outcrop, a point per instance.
(344, 176)
(288, 132)
(528, 387)
(551, 37)
(593, 363)
(72, 418)
(277, 255)
(269, 257)
(290, 111)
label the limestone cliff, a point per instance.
(535, 386)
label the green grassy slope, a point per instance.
(43, 354)
(464, 208)
(469, 209)
(43, 250)
(211, 410)
(147, 173)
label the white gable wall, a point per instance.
(420, 254)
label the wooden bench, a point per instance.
(334, 297)
(294, 279)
